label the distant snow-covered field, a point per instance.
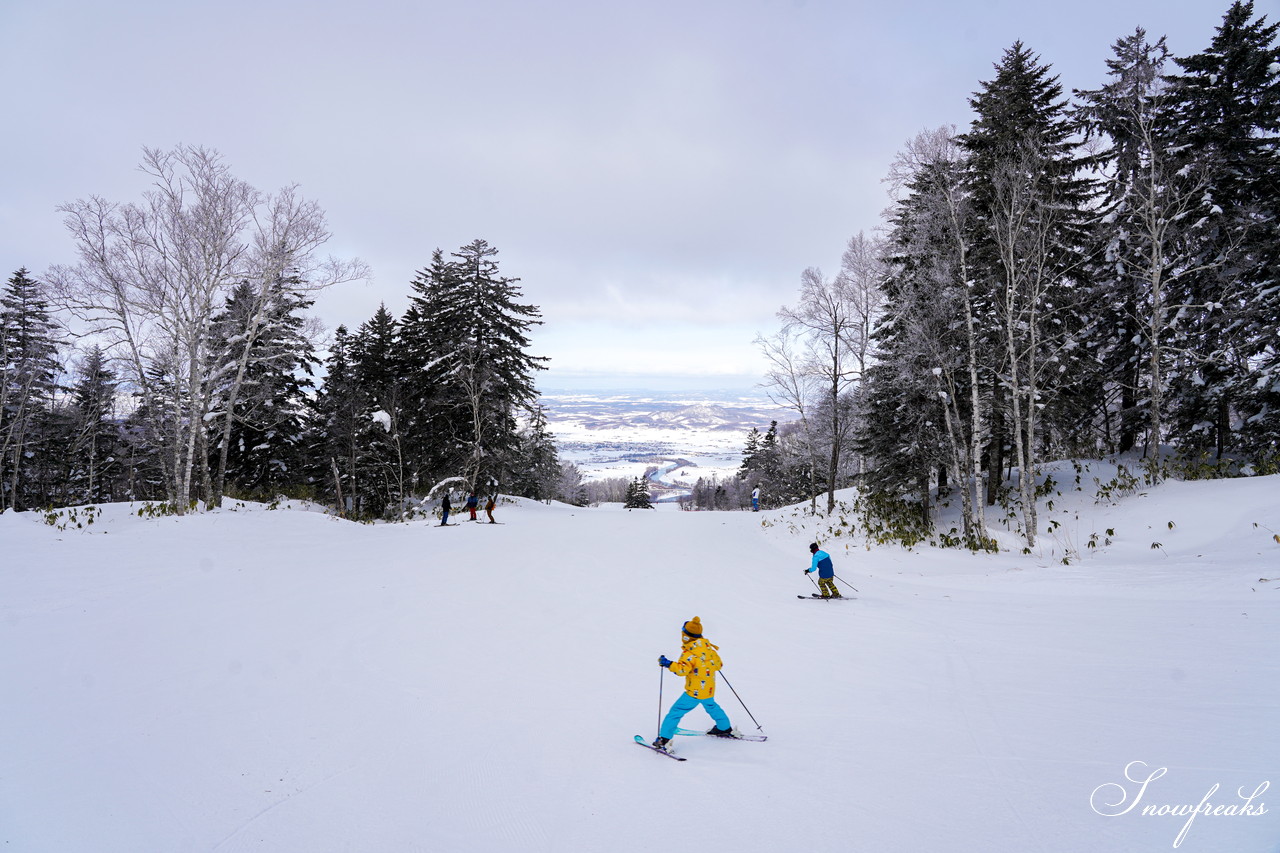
(620, 435)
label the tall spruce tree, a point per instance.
(465, 342)
(1029, 199)
(259, 452)
(1134, 232)
(931, 398)
(378, 369)
(29, 369)
(748, 470)
(769, 459)
(1226, 116)
(339, 436)
(426, 343)
(95, 458)
(1150, 236)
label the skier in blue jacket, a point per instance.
(826, 572)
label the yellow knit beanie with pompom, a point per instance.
(693, 627)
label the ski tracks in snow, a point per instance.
(981, 719)
(287, 799)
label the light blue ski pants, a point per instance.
(684, 705)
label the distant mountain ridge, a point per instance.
(697, 416)
(700, 415)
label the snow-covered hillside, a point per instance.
(258, 680)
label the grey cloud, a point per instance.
(651, 159)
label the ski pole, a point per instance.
(659, 734)
(740, 702)
(809, 575)
(846, 583)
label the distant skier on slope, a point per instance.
(445, 506)
(755, 499)
(826, 572)
(489, 506)
(699, 661)
(473, 503)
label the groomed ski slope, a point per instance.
(255, 680)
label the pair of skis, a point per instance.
(813, 595)
(690, 732)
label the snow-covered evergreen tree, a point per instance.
(538, 472)
(29, 369)
(340, 432)
(638, 494)
(1136, 239)
(1029, 200)
(377, 368)
(94, 461)
(425, 339)
(1225, 113)
(571, 488)
(262, 392)
(749, 468)
(931, 394)
(464, 343)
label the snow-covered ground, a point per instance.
(258, 680)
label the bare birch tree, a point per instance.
(1026, 224)
(862, 271)
(788, 384)
(828, 328)
(285, 234)
(152, 275)
(1164, 197)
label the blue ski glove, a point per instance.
(662, 661)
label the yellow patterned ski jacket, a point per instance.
(698, 663)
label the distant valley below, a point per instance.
(622, 433)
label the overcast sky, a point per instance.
(657, 174)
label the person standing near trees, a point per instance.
(699, 662)
(826, 572)
(445, 506)
(473, 503)
(755, 499)
(488, 507)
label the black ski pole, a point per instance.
(846, 583)
(809, 575)
(740, 702)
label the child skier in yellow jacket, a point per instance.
(699, 661)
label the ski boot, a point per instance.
(719, 732)
(663, 744)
